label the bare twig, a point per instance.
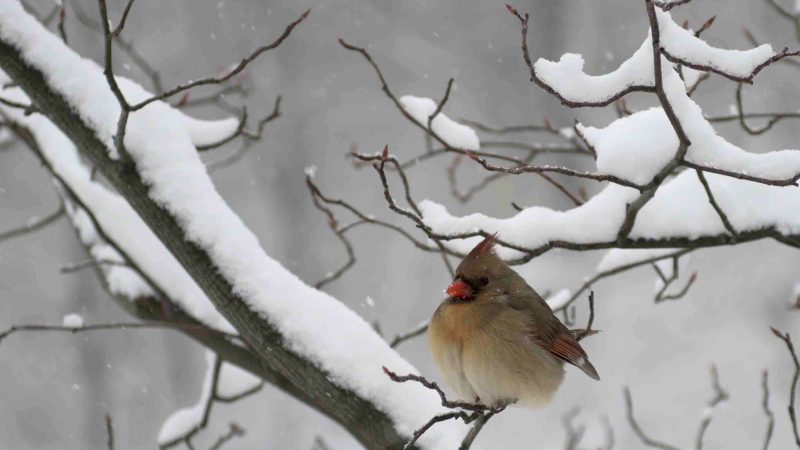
(720, 212)
(27, 109)
(236, 133)
(791, 181)
(794, 18)
(441, 103)
(588, 331)
(669, 4)
(234, 430)
(75, 267)
(473, 432)
(333, 224)
(460, 408)
(767, 412)
(432, 385)
(617, 270)
(187, 437)
(417, 331)
(523, 168)
(646, 440)
(784, 53)
(128, 48)
(743, 122)
(231, 73)
(787, 339)
(108, 326)
(34, 224)
(276, 112)
(109, 433)
(523, 19)
(573, 434)
(610, 439)
(62, 13)
(720, 395)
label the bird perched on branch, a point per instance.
(495, 340)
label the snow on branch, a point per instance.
(221, 383)
(567, 80)
(454, 133)
(644, 150)
(285, 320)
(681, 46)
(100, 216)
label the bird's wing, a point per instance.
(548, 332)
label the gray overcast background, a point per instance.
(56, 388)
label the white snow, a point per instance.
(634, 147)
(618, 257)
(122, 224)
(682, 43)
(568, 78)
(649, 134)
(185, 420)
(207, 132)
(72, 320)
(598, 219)
(165, 156)
(794, 299)
(454, 133)
(679, 208)
(559, 299)
(234, 381)
(691, 77)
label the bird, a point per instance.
(494, 339)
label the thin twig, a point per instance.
(669, 4)
(89, 263)
(230, 74)
(466, 444)
(767, 411)
(234, 430)
(720, 395)
(646, 440)
(523, 19)
(787, 339)
(62, 13)
(441, 103)
(34, 224)
(109, 433)
(588, 331)
(108, 326)
(720, 212)
(742, 120)
(333, 224)
(417, 331)
(460, 408)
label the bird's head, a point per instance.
(481, 272)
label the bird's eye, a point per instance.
(483, 281)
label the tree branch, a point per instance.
(298, 375)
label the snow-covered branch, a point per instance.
(151, 165)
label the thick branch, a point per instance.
(369, 425)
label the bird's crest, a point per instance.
(485, 246)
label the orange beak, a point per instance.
(459, 289)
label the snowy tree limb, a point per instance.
(296, 374)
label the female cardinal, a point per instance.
(495, 340)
